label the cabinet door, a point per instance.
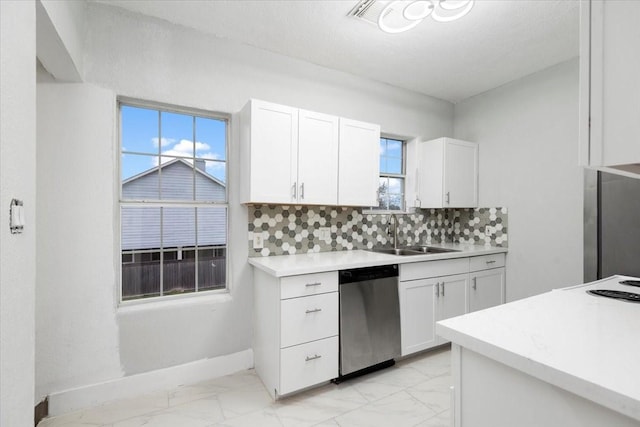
(417, 315)
(317, 158)
(358, 163)
(451, 294)
(614, 92)
(486, 289)
(274, 152)
(460, 174)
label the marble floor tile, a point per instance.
(414, 392)
(398, 410)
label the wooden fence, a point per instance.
(142, 279)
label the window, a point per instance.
(173, 201)
(392, 173)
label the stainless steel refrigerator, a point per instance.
(613, 215)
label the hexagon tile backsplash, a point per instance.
(297, 229)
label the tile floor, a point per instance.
(414, 392)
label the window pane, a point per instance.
(179, 274)
(394, 148)
(210, 180)
(395, 202)
(396, 185)
(140, 244)
(176, 178)
(140, 177)
(212, 268)
(383, 188)
(178, 234)
(139, 127)
(212, 227)
(177, 134)
(211, 138)
(394, 165)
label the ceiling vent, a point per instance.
(368, 10)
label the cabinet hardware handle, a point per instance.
(475, 285)
(438, 289)
(315, 310)
(443, 288)
(314, 357)
(294, 189)
(448, 193)
(314, 284)
(491, 262)
(302, 190)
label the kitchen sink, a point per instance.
(400, 251)
(430, 249)
(413, 250)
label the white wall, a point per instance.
(17, 180)
(528, 135)
(134, 56)
(76, 328)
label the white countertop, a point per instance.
(584, 344)
(289, 265)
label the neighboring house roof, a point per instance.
(169, 163)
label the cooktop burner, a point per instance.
(631, 283)
(609, 293)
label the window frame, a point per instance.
(402, 175)
(194, 112)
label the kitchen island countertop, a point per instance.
(289, 265)
(587, 345)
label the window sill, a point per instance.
(161, 303)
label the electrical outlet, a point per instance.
(258, 241)
(324, 233)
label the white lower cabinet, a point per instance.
(417, 315)
(437, 290)
(425, 299)
(486, 289)
(486, 281)
(308, 364)
(296, 330)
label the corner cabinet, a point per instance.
(295, 330)
(448, 173)
(295, 156)
(609, 90)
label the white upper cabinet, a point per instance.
(359, 164)
(448, 173)
(317, 158)
(609, 89)
(269, 153)
(296, 156)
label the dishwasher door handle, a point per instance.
(315, 310)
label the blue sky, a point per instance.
(141, 134)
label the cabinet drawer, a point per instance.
(424, 270)
(308, 284)
(308, 364)
(308, 319)
(485, 262)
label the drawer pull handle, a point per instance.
(442, 288)
(491, 262)
(315, 310)
(314, 284)
(314, 357)
(475, 283)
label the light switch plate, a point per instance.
(324, 233)
(258, 241)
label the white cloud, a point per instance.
(184, 148)
(163, 141)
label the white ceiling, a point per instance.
(497, 42)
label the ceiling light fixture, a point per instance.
(403, 15)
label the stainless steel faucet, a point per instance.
(395, 229)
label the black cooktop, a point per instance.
(631, 283)
(609, 293)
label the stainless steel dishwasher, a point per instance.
(369, 319)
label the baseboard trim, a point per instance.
(135, 385)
